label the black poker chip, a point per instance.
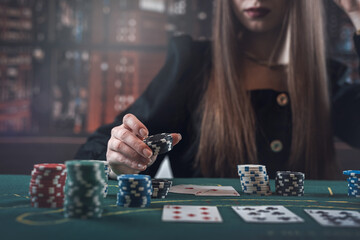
(161, 187)
(159, 143)
(289, 183)
(161, 182)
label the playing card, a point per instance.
(335, 218)
(266, 214)
(184, 188)
(183, 213)
(199, 190)
(217, 191)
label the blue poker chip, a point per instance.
(353, 173)
(133, 176)
(353, 180)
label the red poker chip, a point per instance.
(60, 200)
(48, 180)
(47, 200)
(46, 191)
(47, 205)
(47, 185)
(47, 176)
(46, 188)
(49, 170)
(50, 176)
(46, 194)
(50, 166)
(52, 182)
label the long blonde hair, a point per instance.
(228, 131)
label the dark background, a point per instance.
(69, 66)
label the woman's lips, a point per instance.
(259, 12)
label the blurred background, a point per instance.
(69, 66)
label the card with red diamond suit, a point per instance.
(186, 213)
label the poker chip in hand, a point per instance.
(159, 143)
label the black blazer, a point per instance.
(170, 102)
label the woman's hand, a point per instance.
(126, 151)
(352, 9)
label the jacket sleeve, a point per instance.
(161, 107)
(346, 106)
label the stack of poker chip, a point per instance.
(46, 188)
(353, 182)
(84, 189)
(254, 179)
(161, 188)
(160, 143)
(289, 183)
(134, 190)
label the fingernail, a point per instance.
(141, 166)
(180, 136)
(147, 153)
(143, 132)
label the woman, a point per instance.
(230, 99)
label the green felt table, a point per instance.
(20, 221)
